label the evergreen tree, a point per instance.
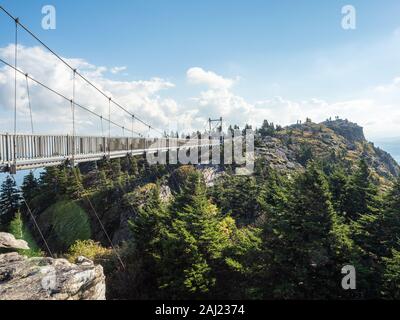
(29, 187)
(305, 154)
(267, 129)
(144, 254)
(9, 201)
(195, 237)
(75, 187)
(63, 180)
(104, 182)
(361, 194)
(50, 188)
(301, 243)
(338, 183)
(389, 221)
(377, 234)
(391, 276)
(239, 196)
(115, 167)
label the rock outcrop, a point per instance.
(8, 241)
(349, 130)
(23, 278)
(290, 148)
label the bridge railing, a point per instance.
(24, 148)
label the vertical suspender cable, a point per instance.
(148, 138)
(15, 94)
(102, 134)
(73, 117)
(102, 130)
(133, 120)
(29, 102)
(109, 127)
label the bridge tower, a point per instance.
(218, 126)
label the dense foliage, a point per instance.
(266, 236)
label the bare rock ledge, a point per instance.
(8, 241)
(23, 278)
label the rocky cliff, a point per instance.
(291, 147)
(23, 278)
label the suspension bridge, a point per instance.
(29, 151)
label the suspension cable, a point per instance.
(33, 219)
(72, 68)
(29, 102)
(60, 94)
(98, 218)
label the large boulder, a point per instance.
(8, 241)
(24, 278)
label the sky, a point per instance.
(177, 63)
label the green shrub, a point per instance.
(65, 222)
(88, 249)
(20, 231)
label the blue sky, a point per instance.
(263, 42)
(281, 60)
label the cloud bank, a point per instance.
(376, 109)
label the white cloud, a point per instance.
(376, 109)
(392, 87)
(53, 114)
(197, 75)
(116, 70)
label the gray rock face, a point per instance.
(210, 175)
(8, 241)
(351, 131)
(24, 278)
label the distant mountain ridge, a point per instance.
(291, 147)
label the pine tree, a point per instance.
(195, 237)
(267, 129)
(389, 222)
(63, 180)
(29, 187)
(49, 185)
(9, 201)
(75, 187)
(115, 167)
(391, 276)
(134, 169)
(361, 194)
(144, 255)
(301, 242)
(379, 233)
(16, 226)
(239, 196)
(104, 182)
(338, 183)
